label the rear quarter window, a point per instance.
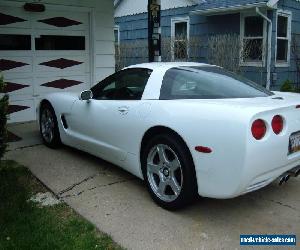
(207, 83)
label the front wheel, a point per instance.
(169, 172)
(49, 127)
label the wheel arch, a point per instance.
(161, 130)
(156, 130)
(45, 101)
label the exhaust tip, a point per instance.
(282, 180)
(286, 178)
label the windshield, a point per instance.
(208, 82)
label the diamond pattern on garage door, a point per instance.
(11, 87)
(61, 83)
(7, 19)
(60, 22)
(32, 74)
(61, 63)
(9, 64)
(16, 108)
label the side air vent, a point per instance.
(64, 122)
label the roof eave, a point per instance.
(272, 3)
(215, 11)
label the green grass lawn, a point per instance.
(26, 225)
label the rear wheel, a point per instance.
(49, 127)
(169, 172)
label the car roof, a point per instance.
(167, 65)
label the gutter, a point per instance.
(272, 4)
(269, 51)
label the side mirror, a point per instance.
(86, 95)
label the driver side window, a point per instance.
(128, 84)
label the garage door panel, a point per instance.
(57, 64)
(20, 111)
(61, 42)
(15, 64)
(17, 98)
(12, 17)
(68, 74)
(19, 87)
(61, 53)
(59, 84)
(57, 20)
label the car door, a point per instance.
(102, 125)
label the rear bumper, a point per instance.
(243, 181)
(266, 178)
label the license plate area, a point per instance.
(294, 145)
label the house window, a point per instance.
(179, 38)
(283, 40)
(253, 39)
(117, 35)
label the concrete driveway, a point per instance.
(118, 203)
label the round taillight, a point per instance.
(277, 124)
(258, 129)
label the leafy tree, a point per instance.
(3, 117)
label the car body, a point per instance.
(228, 160)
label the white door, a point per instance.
(102, 125)
(42, 53)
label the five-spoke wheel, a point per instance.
(164, 172)
(169, 171)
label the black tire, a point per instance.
(188, 191)
(55, 141)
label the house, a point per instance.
(50, 45)
(268, 33)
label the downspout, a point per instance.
(269, 54)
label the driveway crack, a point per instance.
(282, 204)
(78, 183)
(92, 188)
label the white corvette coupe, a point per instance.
(185, 128)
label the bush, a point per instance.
(287, 86)
(3, 117)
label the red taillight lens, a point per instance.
(258, 129)
(277, 124)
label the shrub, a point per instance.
(287, 86)
(3, 117)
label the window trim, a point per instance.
(287, 14)
(175, 20)
(117, 28)
(261, 63)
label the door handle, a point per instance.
(123, 110)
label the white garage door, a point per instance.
(42, 53)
